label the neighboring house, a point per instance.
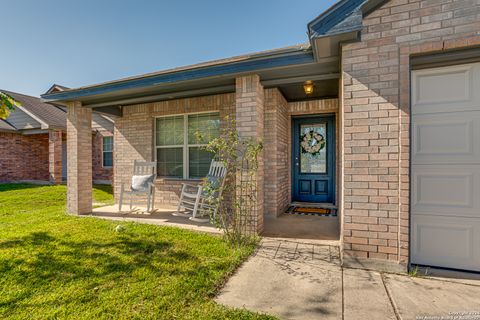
(33, 143)
(395, 98)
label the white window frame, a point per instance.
(103, 151)
(185, 146)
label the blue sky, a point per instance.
(77, 43)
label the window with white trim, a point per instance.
(179, 151)
(107, 151)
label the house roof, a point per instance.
(344, 16)
(100, 122)
(48, 115)
(297, 54)
(44, 116)
(6, 127)
(56, 88)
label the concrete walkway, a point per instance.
(304, 280)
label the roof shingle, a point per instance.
(5, 126)
(49, 114)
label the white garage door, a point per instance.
(445, 177)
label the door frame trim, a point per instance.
(335, 149)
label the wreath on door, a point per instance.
(312, 142)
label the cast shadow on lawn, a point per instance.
(19, 186)
(104, 187)
(52, 262)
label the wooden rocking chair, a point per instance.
(193, 198)
(144, 174)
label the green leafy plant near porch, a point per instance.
(58, 266)
(237, 204)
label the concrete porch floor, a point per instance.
(160, 216)
(325, 229)
(302, 227)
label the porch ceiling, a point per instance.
(323, 89)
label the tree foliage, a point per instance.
(7, 105)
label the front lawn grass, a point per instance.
(102, 195)
(53, 265)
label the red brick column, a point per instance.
(249, 116)
(79, 146)
(55, 156)
(276, 155)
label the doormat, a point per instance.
(323, 212)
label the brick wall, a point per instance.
(133, 141)
(39, 157)
(313, 107)
(376, 117)
(99, 171)
(23, 157)
(276, 141)
(134, 138)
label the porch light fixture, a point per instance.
(308, 87)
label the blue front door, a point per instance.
(313, 151)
